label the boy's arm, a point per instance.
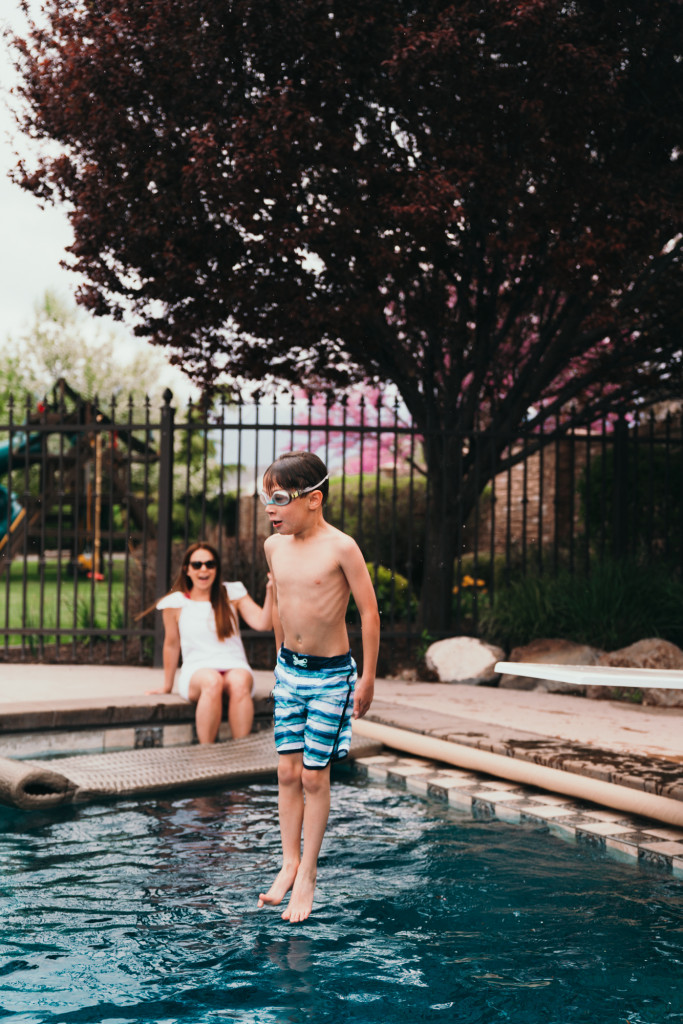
(358, 577)
(277, 625)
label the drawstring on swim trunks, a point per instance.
(343, 714)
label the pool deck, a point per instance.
(53, 708)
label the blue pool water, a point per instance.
(146, 911)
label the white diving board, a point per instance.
(596, 675)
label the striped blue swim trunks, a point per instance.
(314, 706)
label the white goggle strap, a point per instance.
(314, 487)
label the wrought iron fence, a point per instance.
(97, 505)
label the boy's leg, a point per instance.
(291, 814)
(327, 729)
(316, 785)
(238, 684)
(206, 691)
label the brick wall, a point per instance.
(537, 499)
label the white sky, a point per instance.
(33, 239)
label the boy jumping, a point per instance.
(314, 568)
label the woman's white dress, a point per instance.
(199, 644)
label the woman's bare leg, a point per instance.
(238, 684)
(206, 691)
(291, 813)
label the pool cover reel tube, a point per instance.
(30, 787)
(126, 773)
(620, 798)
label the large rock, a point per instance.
(463, 659)
(650, 653)
(550, 652)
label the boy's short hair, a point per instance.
(294, 471)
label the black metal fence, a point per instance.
(97, 505)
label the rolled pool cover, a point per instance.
(608, 794)
(31, 786)
(82, 778)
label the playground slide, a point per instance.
(10, 508)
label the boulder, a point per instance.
(550, 652)
(653, 653)
(650, 653)
(463, 659)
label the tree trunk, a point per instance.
(452, 495)
(458, 468)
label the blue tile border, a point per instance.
(638, 841)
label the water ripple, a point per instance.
(145, 911)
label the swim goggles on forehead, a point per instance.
(282, 497)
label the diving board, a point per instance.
(596, 675)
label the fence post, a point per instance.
(164, 525)
(620, 510)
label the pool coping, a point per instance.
(104, 724)
(649, 774)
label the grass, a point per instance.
(21, 604)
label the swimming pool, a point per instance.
(146, 911)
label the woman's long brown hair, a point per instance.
(226, 619)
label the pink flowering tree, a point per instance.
(362, 431)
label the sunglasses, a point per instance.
(210, 563)
(282, 497)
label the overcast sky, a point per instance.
(33, 239)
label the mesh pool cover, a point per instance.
(35, 784)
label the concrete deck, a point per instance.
(483, 716)
(46, 708)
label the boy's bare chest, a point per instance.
(313, 568)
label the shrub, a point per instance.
(650, 499)
(368, 515)
(616, 604)
(196, 514)
(393, 595)
(478, 578)
(470, 595)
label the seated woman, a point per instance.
(201, 623)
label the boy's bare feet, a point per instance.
(280, 887)
(301, 901)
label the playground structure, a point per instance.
(66, 469)
(11, 512)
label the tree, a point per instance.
(478, 202)
(62, 342)
(11, 384)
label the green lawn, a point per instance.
(25, 602)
